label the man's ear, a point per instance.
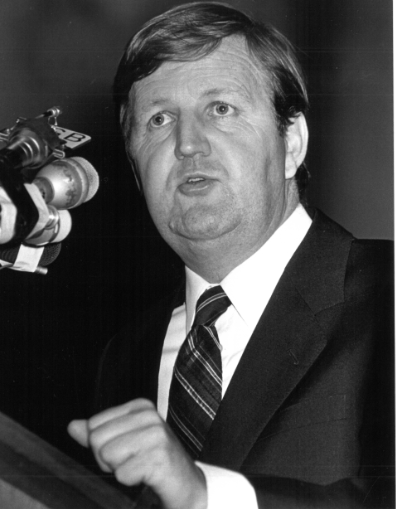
(296, 142)
(137, 177)
(134, 170)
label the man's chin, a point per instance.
(203, 230)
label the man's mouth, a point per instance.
(196, 185)
(194, 180)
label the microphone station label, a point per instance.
(71, 138)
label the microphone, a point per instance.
(60, 185)
(29, 259)
(56, 229)
(67, 183)
(34, 213)
(63, 184)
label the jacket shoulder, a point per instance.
(371, 262)
(374, 252)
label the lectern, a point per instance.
(36, 475)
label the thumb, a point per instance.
(78, 429)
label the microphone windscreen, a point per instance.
(91, 174)
(50, 254)
(9, 255)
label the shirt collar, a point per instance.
(250, 285)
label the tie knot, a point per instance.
(212, 303)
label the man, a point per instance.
(212, 107)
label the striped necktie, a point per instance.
(195, 391)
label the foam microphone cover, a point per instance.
(50, 254)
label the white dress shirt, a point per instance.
(249, 287)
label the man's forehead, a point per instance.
(230, 68)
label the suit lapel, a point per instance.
(286, 342)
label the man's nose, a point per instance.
(191, 138)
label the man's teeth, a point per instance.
(196, 179)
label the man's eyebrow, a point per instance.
(238, 91)
(146, 106)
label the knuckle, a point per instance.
(144, 404)
(161, 433)
(94, 440)
(121, 475)
(91, 423)
(106, 454)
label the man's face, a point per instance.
(209, 154)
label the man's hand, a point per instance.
(134, 443)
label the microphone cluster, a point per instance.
(34, 212)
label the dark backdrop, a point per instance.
(65, 53)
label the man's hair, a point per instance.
(194, 30)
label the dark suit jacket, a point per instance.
(308, 415)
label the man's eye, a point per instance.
(160, 119)
(223, 109)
